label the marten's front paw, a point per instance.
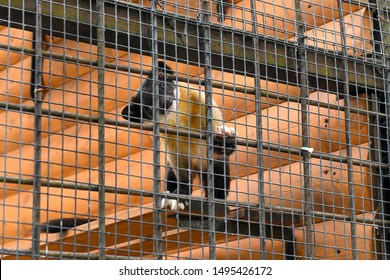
(220, 145)
(224, 130)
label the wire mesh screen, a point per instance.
(192, 129)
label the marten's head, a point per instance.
(140, 107)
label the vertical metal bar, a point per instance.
(101, 123)
(375, 121)
(347, 120)
(259, 132)
(220, 10)
(379, 230)
(384, 25)
(38, 91)
(205, 45)
(157, 218)
(304, 96)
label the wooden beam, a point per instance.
(127, 28)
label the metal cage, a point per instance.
(305, 84)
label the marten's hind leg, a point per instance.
(179, 182)
(221, 177)
(171, 179)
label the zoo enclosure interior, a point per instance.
(278, 71)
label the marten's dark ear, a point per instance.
(163, 68)
(125, 112)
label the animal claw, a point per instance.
(226, 131)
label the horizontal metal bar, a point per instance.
(220, 204)
(216, 84)
(149, 127)
(127, 28)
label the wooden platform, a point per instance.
(185, 235)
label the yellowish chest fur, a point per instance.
(190, 116)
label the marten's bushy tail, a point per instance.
(61, 225)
